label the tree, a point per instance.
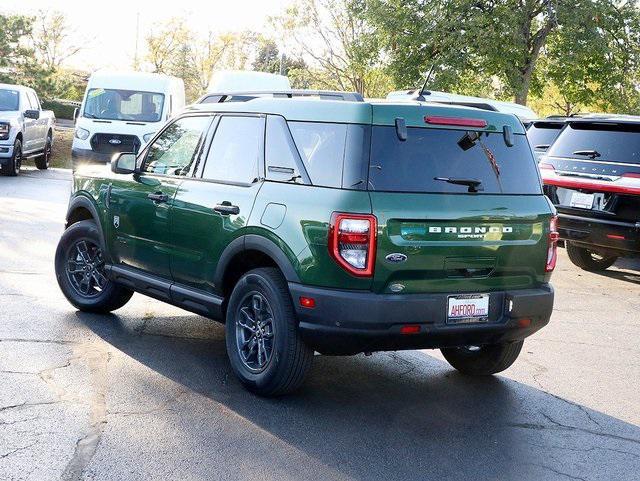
(501, 40)
(14, 53)
(52, 39)
(340, 46)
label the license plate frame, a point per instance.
(580, 200)
(467, 308)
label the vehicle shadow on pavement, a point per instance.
(404, 416)
(624, 270)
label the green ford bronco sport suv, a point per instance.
(317, 221)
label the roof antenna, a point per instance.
(423, 90)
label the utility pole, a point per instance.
(136, 66)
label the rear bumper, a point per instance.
(613, 237)
(348, 322)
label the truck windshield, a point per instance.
(9, 100)
(451, 161)
(113, 104)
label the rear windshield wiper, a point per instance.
(588, 153)
(473, 184)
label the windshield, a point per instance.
(542, 134)
(9, 100)
(112, 104)
(451, 161)
(599, 141)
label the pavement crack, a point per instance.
(16, 450)
(26, 405)
(97, 360)
(556, 471)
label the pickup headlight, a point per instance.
(4, 131)
(81, 133)
(148, 137)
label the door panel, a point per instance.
(140, 206)
(211, 212)
(200, 233)
(140, 225)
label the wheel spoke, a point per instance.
(100, 280)
(255, 331)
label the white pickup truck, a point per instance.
(26, 131)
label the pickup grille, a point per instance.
(113, 143)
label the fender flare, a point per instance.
(86, 203)
(255, 243)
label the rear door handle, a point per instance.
(158, 197)
(225, 208)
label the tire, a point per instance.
(285, 359)
(42, 161)
(588, 260)
(13, 167)
(483, 360)
(102, 294)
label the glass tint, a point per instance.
(412, 165)
(9, 100)
(321, 146)
(281, 155)
(113, 104)
(599, 141)
(543, 133)
(235, 150)
(175, 150)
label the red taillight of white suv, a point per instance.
(352, 242)
(552, 252)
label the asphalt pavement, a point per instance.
(147, 393)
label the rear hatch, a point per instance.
(439, 236)
(593, 170)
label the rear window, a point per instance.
(542, 134)
(599, 141)
(413, 165)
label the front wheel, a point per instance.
(263, 343)
(12, 168)
(483, 360)
(80, 272)
(589, 260)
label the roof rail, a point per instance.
(242, 96)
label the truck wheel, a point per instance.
(13, 167)
(42, 161)
(263, 343)
(79, 267)
(588, 260)
(483, 360)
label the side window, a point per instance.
(235, 150)
(27, 102)
(282, 158)
(173, 152)
(35, 105)
(322, 147)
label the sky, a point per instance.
(108, 29)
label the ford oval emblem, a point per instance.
(115, 141)
(396, 258)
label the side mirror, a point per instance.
(123, 163)
(32, 114)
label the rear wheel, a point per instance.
(263, 343)
(483, 360)
(80, 272)
(12, 168)
(589, 260)
(42, 161)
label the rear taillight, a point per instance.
(552, 251)
(352, 242)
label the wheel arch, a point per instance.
(82, 208)
(248, 252)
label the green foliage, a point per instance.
(60, 110)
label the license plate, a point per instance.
(468, 308)
(581, 201)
